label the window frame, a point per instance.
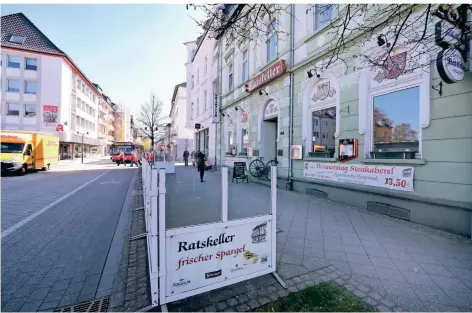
(35, 66)
(315, 17)
(8, 85)
(269, 34)
(8, 109)
(10, 62)
(205, 69)
(230, 77)
(26, 84)
(245, 66)
(25, 111)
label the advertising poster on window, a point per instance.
(198, 259)
(390, 177)
(50, 116)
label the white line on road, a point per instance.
(32, 216)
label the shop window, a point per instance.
(271, 41)
(323, 15)
(244, 140)
(30, 110)
(395, 120)
(230, 143)
(13, 109)
(322, 125)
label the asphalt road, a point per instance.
(57, 232)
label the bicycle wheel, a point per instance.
(268, 168)
(256, 168)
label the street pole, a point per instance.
(82, 148)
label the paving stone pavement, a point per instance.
(414, 267)
(132, 284)
(58, 258)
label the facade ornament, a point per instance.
(324, 91)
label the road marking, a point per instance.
(32, 216)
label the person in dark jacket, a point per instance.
(200, 158)
(186, 154)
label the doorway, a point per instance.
(269, 139)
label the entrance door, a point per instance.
(269, 140)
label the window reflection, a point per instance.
(396, 121)
(323, 129)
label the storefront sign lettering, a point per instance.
(391, 177)
(216, 109)
(451, 67)
(267, 76)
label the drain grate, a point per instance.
(97, 305)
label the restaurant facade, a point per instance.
(395, 140)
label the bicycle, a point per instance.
(257, 168)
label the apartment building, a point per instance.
(182, 136)
(202, 83)
(42, 89)
(400, 143)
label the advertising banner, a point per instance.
(50, 116)
(198, 259)
(391, 177)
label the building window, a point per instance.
(326, 142)
(13, 109)
(30, 110)
(193, 81)
(198, 76)
(245, 65)
(198, 106)
(13, 61)
(323, 15)
(205, 98)
(230, 77)
(13, 85)
(31, 64)
(396, 117)
(244, 140)
(192, 109)
(205, 70)
(271, 41)
(30, 87)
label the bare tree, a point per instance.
(349, 26)
(152, 123)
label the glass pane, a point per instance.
(13, 109)
(324, 127)
(30, 87)
(396, 118)
(30, 110)
(324, 14)
(13, 85)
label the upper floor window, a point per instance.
(30, 110)
(198, 106)
(13, 109)
(245, 69)
(13, 85)
(205, 98)
(205, 69)
(271, 41)
(30, 87)
(193, 81)
(192, 109)
(198, 76)
(17, 39)
(230, 77)
(323, 15)
(13, 61)
(31, 64)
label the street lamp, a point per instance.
(82, 144)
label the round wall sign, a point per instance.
(450, 64)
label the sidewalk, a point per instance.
(408, 265)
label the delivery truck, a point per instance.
(23, 151)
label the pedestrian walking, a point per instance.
(121, 158)
(134, 160)
(201, 158)
(186, 154)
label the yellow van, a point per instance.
(22, 151)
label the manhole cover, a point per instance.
(97, 305)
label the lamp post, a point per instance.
(82, 154)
